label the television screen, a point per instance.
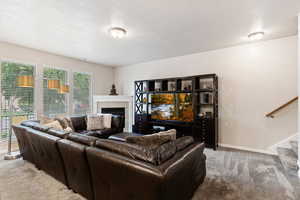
(172, 107)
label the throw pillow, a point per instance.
(68, 130)
(95, 122)
(79, 123)
(150, 141)
(69, 122)
(45, 120)
(169, 133)
(62, 122)
(183, 142)
(153, 140)
(55, 124)
(106, 120)
(165, 152)
(129, 150)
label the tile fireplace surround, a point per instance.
(107, 101)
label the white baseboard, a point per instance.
(247, 149)
(283, 143)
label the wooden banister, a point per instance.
(271, 114)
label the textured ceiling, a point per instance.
(156, 29)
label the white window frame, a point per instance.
(39, 79)
(35, 66)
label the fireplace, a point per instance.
(116, 105)
(114, 111)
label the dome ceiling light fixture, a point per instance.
(117, 32)
(256, 36)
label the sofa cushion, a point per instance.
(103, 134)
(69, 122)
(169, 133)
(154, 156)
(165, 152)
(129, 150)
(30, 123)
(183, 142)
(79, 123)
(82, 139)
(62, 121)
(35, 125)
(95, 122)
(107, 119)
(55, 124)
(153, 140)
(45, 120)
(58, 133)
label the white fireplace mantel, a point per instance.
(107, 101)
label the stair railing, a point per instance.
(271, 114)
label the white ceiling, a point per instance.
(156, 28)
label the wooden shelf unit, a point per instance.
(204, 91)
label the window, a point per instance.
(54, 102)
(81, 93)
(17, 98)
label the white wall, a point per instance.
(254, 79)
(298, 92)
(103, 76)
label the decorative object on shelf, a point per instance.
(206, 83)
(209, 114)
(206, 98)
(157, 86)
(53, 84)
(25, 81)
(145, 88)
(186, 85)
(113, 90)
(201, 114)
(171, 86)
(144, 100)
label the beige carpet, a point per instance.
(231, 175)
(4, 146)
(20, 180)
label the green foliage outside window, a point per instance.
(54, 102)
(20, 99)
(81, 93)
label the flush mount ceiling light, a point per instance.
(117, 32)
(256, 36)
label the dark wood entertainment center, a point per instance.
(204, 92)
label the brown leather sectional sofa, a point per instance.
(83, 164)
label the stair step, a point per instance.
(294, 145)
(288, 159)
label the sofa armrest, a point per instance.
(82, 139)
(118, 177)
(186, 170)
(115, 175)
